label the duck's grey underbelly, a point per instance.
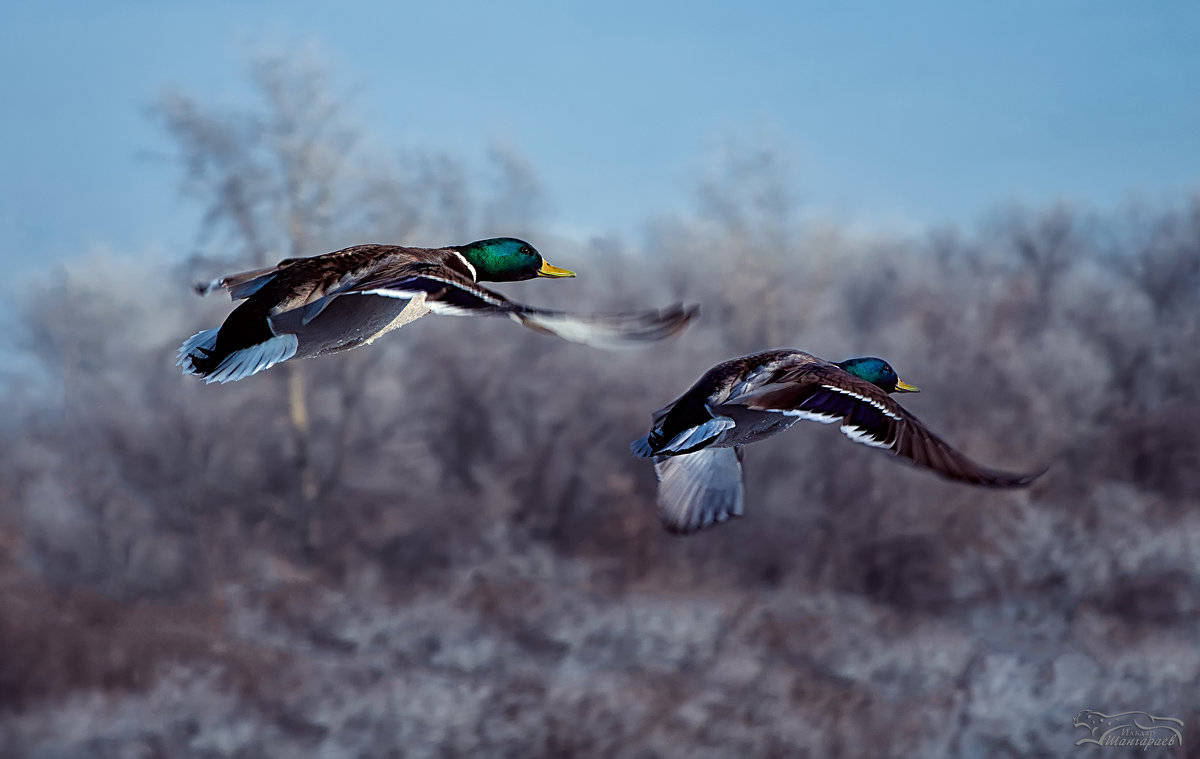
(347, 322)
(752, 426)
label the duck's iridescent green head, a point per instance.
(507, 259)
(877, 372)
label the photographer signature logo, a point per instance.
(1137, 729)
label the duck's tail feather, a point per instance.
(202, 342)
(641, 447)
(698, 490)
(196, 356)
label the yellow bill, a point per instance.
(904, 387)
(553, 271)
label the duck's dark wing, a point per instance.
(313, 276)
(449, 292)
(868, 415)
(703, 415)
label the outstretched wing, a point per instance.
(868, 415)
(697, 490)
(448, 283)
(451, 294)
(612, 331)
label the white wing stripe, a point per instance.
(870, 401)
(859, 435)
(483, 295)
(811, 416)
(399, 292)
(391, 293)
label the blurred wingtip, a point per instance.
(1025, 480)
(683, 529)
(204, 288)
(1001, 479)
(687, 312)
(613, 331)
(670, 321)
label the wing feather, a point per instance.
(698, 490)
(449, 294)
(869, 416)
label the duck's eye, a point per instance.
(525, 249)
(887, 369)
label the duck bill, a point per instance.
(553, 271)
(904, 387)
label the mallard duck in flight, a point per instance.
(697, 440)
(304, 307)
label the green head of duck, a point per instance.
(506, 259)
(877, 372)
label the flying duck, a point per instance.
(304, 307)
(697, 440)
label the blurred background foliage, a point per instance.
(440, 546)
